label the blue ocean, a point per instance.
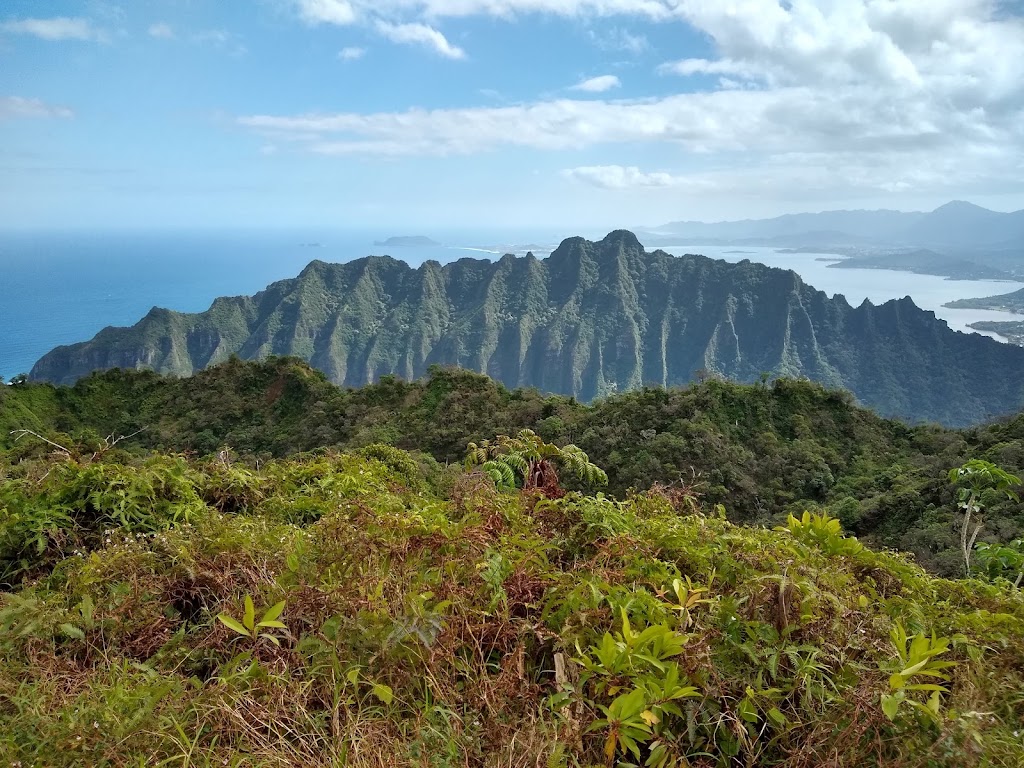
(61, 288)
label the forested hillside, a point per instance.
(214, 603)
(761, 450)
(591, 320)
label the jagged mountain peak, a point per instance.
(623, 239)
(595, 318)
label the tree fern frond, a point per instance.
(506, 457)
(516, 461)
(501, 474)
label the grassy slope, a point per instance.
(431, 621)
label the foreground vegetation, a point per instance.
(764, 450)
(375, 608)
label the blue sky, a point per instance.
(506, 113)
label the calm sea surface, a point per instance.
(59, 288)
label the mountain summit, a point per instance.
(593, 319)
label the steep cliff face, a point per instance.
(592, 319)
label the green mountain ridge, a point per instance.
(590, 320)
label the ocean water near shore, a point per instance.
(63, 287)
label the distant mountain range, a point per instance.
(955, 225)
(592, 319)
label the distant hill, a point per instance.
(592, 319)
(841, 227)
(964, 225)
(925, 262)
(956, 225)
(407, 241)
(1007, 302)
(1011, 331)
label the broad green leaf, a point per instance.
(232, 624)
(273, 612)
(383, 693)
(249, 619)
(271, 625)
(890, 706)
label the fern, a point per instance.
(527, 457)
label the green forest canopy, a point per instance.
(761, 450)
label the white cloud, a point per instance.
(13, 107)
(687, 67)
(60, 28)
(339, 12)
(697, 122)
(654, 9)
(351, 54)
(412, 21)
(420, 34)
(884, 92)
(598, 84)
(620, 177)
(161, 30)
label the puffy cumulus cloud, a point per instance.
(339, 12)
(889, 86)
(620, 177)
(13, 107)
(420, 34)
(59, 28)
(598, 84)
(924, 48)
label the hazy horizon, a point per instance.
(399, 229)
(573, 114)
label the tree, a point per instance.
(977, 477)
(1003, 561)
(527, 456)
